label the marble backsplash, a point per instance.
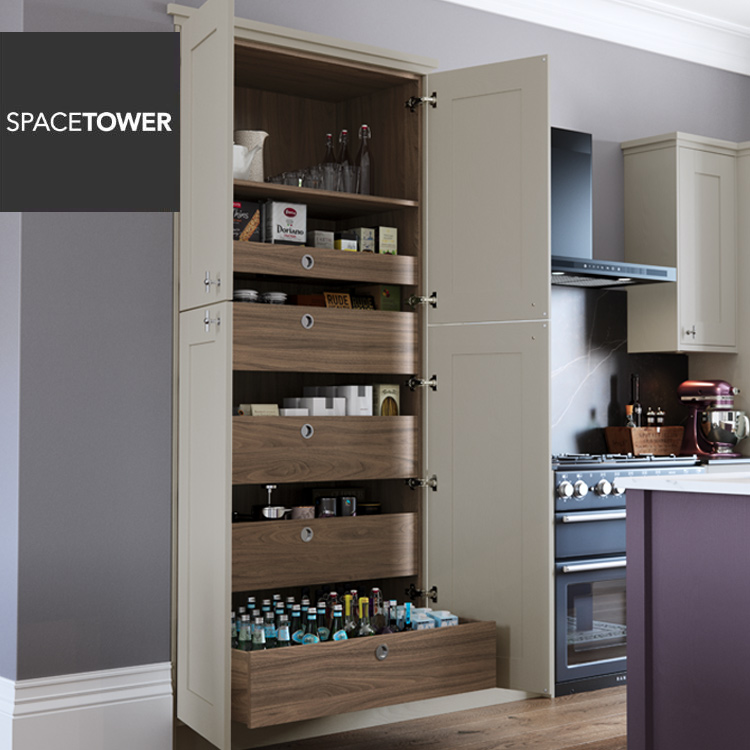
(591, 370)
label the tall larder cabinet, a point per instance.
(461, 474)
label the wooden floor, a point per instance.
(586, 721)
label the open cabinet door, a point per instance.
(204, 509)
(207, 105)
(489, 524)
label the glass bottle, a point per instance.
(324, 630)
(234, 630)
(259, 635)
(269, 626)
(289, 605)
(363, 162)
(350, 621)
(344, 159)
(296, 625)
(311, 631)
(629, 416)
(392, 617)
(266, 606)
(365, 628)
(337, 625)
(245, 637)
(283, 638)
(635, 400)
(329, 156)
(377, 620)
(407, 616)
(250, 603)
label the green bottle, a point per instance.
(311, 631)
(282, 633)
(296, 626)
(244, 638)
(259, 635)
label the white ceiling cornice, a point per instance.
(710, 38)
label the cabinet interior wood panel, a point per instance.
(273, 449)
(306, 682)
(274, 337)
(274, 554)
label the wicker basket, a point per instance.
(660, 441)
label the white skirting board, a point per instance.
(118, 709)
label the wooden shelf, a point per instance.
(305, 682)
(322, 204)
(338, 265)
(273, 337)
(272, 554)
(273, 449)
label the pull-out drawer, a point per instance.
(275, 554)
(306, 682)
(317, 339)
(311, 449)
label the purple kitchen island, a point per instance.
(688, 612)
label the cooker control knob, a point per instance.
(580, 488)
(617, 490)
(603, 487)
(565, 489)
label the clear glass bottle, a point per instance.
(393, 616)
(350, 621)
(245, 635)
(344, 158)
(329, 157)
(635, 400)
(377, 620)
(259, 635)
(283, 637)
(337, 625)
(296, 625)
(363, 162)
(365, 628)
(311, 629)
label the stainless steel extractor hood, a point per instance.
(572, 224)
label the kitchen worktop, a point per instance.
(732, 479)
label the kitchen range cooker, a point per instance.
(590, 517)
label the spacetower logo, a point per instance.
(89, 121)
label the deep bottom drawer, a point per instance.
(306, 682)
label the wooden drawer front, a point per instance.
(306, 682)
(272, 554)
(319, 263)
(273, 449)
(272, 337)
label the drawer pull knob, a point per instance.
(307, 431)
(307, 321)
(381, 652)
(307, 261)
(306, 534)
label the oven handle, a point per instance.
(585, 567)
(585, 517)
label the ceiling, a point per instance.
(709, 32)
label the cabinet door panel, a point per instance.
(707, 255)
(489, 522)
(206, 161)
(488, 193)
(203, 534)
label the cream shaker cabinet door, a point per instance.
(488, 192)
(204, 510)
(488, 522)
(207, 74)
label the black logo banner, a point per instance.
(89, 122)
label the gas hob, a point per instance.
(563, 461)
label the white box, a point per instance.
(320, 406)
(292, 403)
(443, 618)
(358, 399)
(294, 413)
(285, 223)
(317, 238)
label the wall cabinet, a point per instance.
(474, 229)
(681, 208)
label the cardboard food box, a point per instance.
(247, 224)
(345, 241)
(661, 441)
(386, 400)
(385, 296)
(285, 223)
(386, 240)
(318, 238)
(365, 237)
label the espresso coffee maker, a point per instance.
(714, 426)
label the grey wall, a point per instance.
(95, 351)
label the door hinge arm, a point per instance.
(415, 300)
(416, 483)
(414, 593)
(415, 101)
(414, 382)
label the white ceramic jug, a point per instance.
(248, 163)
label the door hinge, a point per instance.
(415, 101)
(414, 382)
(415, 483)
(415, 300)
(414, 593)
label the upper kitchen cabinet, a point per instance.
(681, 207)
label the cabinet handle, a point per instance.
(307, 261)
(587, 567)
(207, 282)
(307, 321)
(690, 331)
(381, 652)
(208, 321)
(306, 534)
(585, 517)
(307, 431)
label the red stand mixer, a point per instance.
(714, 426)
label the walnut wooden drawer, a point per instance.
(273, 449)
(275, 554)
(306, 682)
(316, 339)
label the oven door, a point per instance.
(590, 533)
(590, 618)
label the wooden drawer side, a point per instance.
(307, 682)
(273, 554)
